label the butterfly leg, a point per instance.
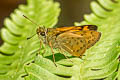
(53, 53)
(42, 46)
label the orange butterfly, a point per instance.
(74, 40)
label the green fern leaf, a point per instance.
(16, 50)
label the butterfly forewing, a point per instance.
(84, 27)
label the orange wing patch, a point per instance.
(76, 28)
(85, 28)
(68, 28)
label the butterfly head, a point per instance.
(41, 31)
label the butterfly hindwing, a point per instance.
(72, 43)
(91, 36)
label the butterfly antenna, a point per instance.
(33, 23)
(30, 20)
(31, 36)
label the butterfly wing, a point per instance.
(72, 43)
(91, 36)
(84, 27)
(74, 39)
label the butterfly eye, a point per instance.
(42, 33)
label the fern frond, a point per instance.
(16, 50)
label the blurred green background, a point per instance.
(71, 10)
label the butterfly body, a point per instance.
(74, 40)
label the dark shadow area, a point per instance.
(58, 56)
(63, 76)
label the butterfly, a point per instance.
(74, 39)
